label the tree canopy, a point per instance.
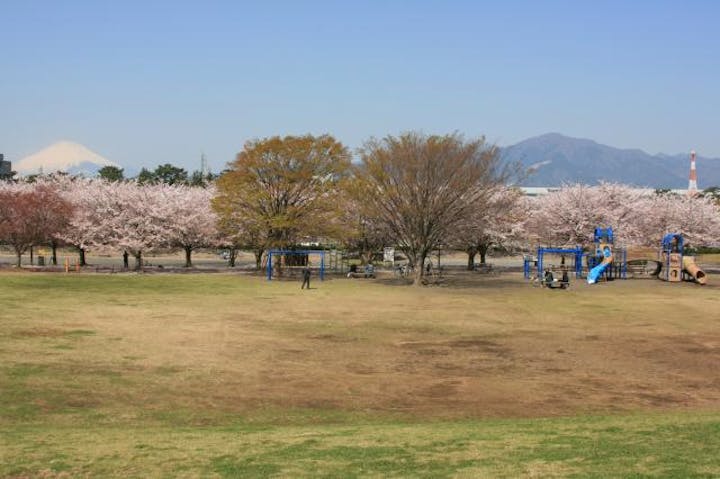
(111, 173)
(31, 215)
(167, 174)
(282, 190)
(420, 187)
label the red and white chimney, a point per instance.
(692, 184)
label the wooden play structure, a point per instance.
(676, 266)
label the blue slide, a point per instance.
(598, 270)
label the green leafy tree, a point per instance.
(170, 175)
(279, 191)
(712, 192)
(167, 174)
(145, 177)
(111, 173)
(198, 178)
(8, 176)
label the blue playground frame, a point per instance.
(307, 252)
(602, 235)
(606, 235)
(577, 252)
(669, 241)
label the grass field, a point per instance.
(222, 375)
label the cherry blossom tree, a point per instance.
(139, 218)
(696, 218)
(495, 221)
(31, 214)
(86, 196)
(136, 218)
(121, 216)
(569, 216)
(192, 223)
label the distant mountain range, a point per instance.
(554, 159)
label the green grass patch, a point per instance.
(676, 445)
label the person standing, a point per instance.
(306, 277)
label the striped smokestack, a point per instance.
(692, 184)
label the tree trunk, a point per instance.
(53, 245)
(232, 257)
(471, 252)
(138, 261)
(19, 258)
(419, 270)
(483, 249)
(258, 259)
(366, 256)
(188, 256)
(81, 253)
(126, 261)
(32, 261)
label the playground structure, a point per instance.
(71, 265)
(546, 276)
(577, 254)
(290, 260)
(608, 261)
(675, 265)
(671, 255)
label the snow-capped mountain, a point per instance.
(66, 156)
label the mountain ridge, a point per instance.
(554, 159)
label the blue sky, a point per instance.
(150, 82)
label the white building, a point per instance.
(534, 191)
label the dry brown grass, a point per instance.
(231, 376)
(472, 347)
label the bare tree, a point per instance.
(498, 221)
(421, 187)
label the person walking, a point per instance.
(306, 277)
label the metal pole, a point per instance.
(322, 266)
(540, 262)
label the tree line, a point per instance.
(415, 192)
(106, 216)
(166, 173)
